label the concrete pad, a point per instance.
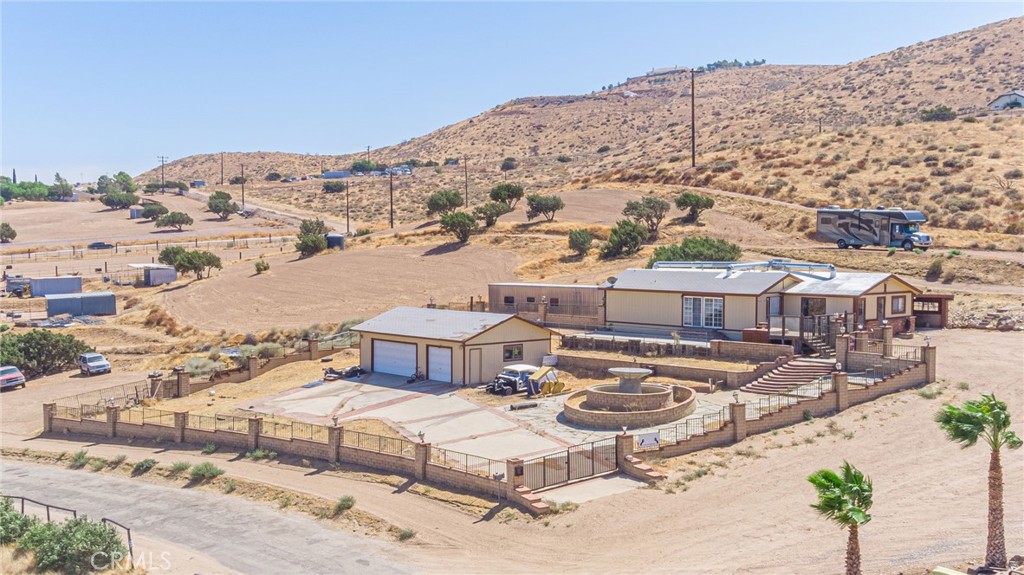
(594, 488)
(424, 407)
(514, 443)
(461, 426)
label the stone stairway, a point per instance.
(791, 375)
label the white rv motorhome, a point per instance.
(889, 227)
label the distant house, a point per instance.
(197, 184)
(337, 175)
(1011, 99)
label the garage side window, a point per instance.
(513, 352)
(510, 300)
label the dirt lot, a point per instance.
(338, 286)
(78, 223)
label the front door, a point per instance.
(774, 306)
(880, 308)
(862, 311)
(475, 366)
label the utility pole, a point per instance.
(367, 153)
(465, 167)
(819, 125)
(162, 160)
(243, 187)
(392, 213)
(693, 118)
(222, 168)
(348, 228)
(14, 175)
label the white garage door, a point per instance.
(394, 358)
(439, 360)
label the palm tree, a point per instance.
(985, 420)
(845, 499)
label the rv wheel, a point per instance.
(908, 245)
(841, 244)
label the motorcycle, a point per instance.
(331, 374)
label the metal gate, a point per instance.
(577, 462)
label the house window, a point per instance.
(899, 304)
(510, 300)
(812, 306)
(932, 306)
(513, 352)
(553, 302)
(531, 300)
(703, 311)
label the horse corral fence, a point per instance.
(146, 248)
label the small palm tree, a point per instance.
(985, 420)
(845, 498)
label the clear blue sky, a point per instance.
(94, 88)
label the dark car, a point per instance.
(101, 246)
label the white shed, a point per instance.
(1011, 99)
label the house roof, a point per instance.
(1017, 93)
(430, 323)
(543, 285)
(844, 284)
(697, 281)
(86, 295)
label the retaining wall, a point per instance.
(599, 366)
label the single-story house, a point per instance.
(336, 175)
(449, 346)
(1011, 99)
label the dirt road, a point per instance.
(250, 537)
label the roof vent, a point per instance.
(612, 280)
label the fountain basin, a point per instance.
(604, 407)
(630, 378)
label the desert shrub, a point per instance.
(200, 366)
(626, 238)
(976, 222)
(406, 534)
(154, 211)
(261, 454)
(272, 177)
(695, 203)
(72, 546)
(1014, 174)
(205, 471)
(603, 149)
(459, 224)
(890, 252)
(143, 466)
(564, 158)
(509, 164)
(940, 113)
(443, 202)
(179, 467)
(343, 504)
(722, 166)
(310, 244)
(934, 270)
(12, 523)
(262, 266)
(333, 187)
(697, 249)
(996, 155)
(543, 205)
(580, 241)
(209, 448)
(267, 350)
(7, 233)
(1014, 228)
(491, 211)
(315, 226)
(237, 180)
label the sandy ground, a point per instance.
(338, 286)
(86, 221)
(750, 513)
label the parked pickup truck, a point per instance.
(93, 363)
(11, 376)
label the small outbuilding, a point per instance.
(90, 303)
(335, 240)
(1011, 99)
(56, 285)
(449, 346)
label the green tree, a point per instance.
(543, 205)
(309, 244)
(695, 203)
(988, 421)
(125, 183)
(649, 211)
(365, 165)
(200, 263)
(314, 227)
(333, 187)
(508, 193)
(169, 255)
(272, 177)
(41, 352)
(461, 224)
(626, 239)
(154, 211)
(30, 191)
(700, 249)
(237, 180)
(105, 185)
(220, 203)
(60, 189)
(119, 200)
(509, 163)
(174, 220)
(443, 202)
(7, 233)
(845, 499)
(490, 212)
(580, 241)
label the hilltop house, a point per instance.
(1011, 99)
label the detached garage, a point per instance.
(449, 346)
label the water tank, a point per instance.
(335, 240)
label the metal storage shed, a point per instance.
(335, 240)
(57, 285)
(91, 303)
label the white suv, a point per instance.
(93, 363)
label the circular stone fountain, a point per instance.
(629, 403)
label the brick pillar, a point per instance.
(912, 324)
(860, 339)
(422, 456)
(314, 344)
(715, 348)
(738, 419)
(887, 341)
(183, 384)
(253, 364)
(335, 434)
(514, 480)
(112, 413)
(930, 356)
(255, 424)
(842, 349)
(48, 409)
(840, 383)
(156, 387)
(623, 449)
(542, 310)
(180, 421)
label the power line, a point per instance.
(162, 160)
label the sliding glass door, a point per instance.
(703, 312)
